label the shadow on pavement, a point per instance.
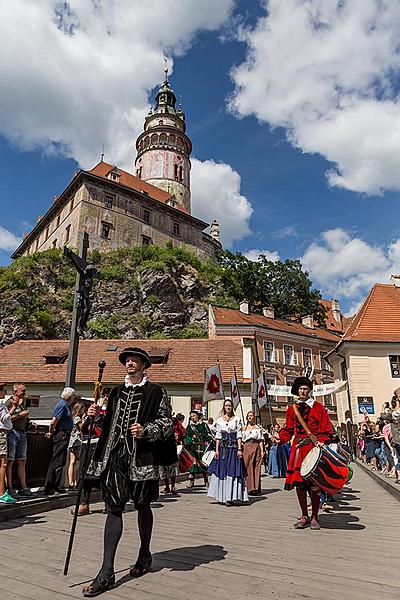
(21, 521)
(182, 559)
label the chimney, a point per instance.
(395, 279)
(269, 311)
(308, 321)
(55, 198)
(336, 311)
(244, 307)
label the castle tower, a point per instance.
(163, 149)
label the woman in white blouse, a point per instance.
(253, 453)
(228, 473)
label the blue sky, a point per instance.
(256, 125)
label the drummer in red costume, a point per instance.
(317, 420)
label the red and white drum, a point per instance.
(185, 459)
(325, 469)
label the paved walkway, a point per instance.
(204, 551)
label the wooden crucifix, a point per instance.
(82, 304)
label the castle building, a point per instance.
(119, 209)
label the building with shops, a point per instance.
(118, 208)
(286, 349)
(368, 354)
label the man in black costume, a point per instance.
(135, 450)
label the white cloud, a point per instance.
(346, 266)
(8, 240)
(254, 254)
(76, 75)
(216, 195)
(288, 231)
(326, 71)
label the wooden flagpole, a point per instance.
(240, 398)
(268, 399)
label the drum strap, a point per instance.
(304, 425)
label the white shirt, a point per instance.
(233, 425)
(5, 418)
(252, 434)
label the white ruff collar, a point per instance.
(128, 382)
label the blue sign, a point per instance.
(365, 405)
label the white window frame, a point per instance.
(311, 358)
(321, 362)
(294, 362)
(272, 352)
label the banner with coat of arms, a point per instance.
(235, 395)
(262, 392)
(213, 389)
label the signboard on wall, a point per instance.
(365, 405)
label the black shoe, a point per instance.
(101, 583)
(142, 566)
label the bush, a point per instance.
(105, 327)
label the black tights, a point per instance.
(113, 531)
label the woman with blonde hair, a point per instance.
(253, 453)
(75, 442)
(228, 473)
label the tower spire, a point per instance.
(166, 69)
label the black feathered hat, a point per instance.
(135, 352)
(298, 382)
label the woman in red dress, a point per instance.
(320, 426)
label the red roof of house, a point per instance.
(231, 316)
(135, 183)
(378, 320)
(185, 360)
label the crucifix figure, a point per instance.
(82, 304)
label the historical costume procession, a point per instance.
(310, 467)
(197, 438)
(136, 449)
(253, 453)
(227, 470)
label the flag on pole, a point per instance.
(213, 389)
(262, 393)
(235, 396)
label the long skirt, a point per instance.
(277, 462)
(228, 474)
(252, 460)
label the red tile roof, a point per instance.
(135, 183)
(231, 316)
(187, 359)
(378, 320)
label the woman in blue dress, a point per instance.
(277, 461)
(227, 470)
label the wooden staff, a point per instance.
(268, 399)
(96, 395)
(238, 392)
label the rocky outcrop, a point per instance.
(129, 299)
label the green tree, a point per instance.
(281, 284)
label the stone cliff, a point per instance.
(140, 292)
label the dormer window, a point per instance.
(114, 175)
(56, 358)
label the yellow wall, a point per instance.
(368, 375)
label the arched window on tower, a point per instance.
(181, 173)
(146, 142)
(179, 143)
(176, 172)
(171, 140)
(163, 138)
(154, 139)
